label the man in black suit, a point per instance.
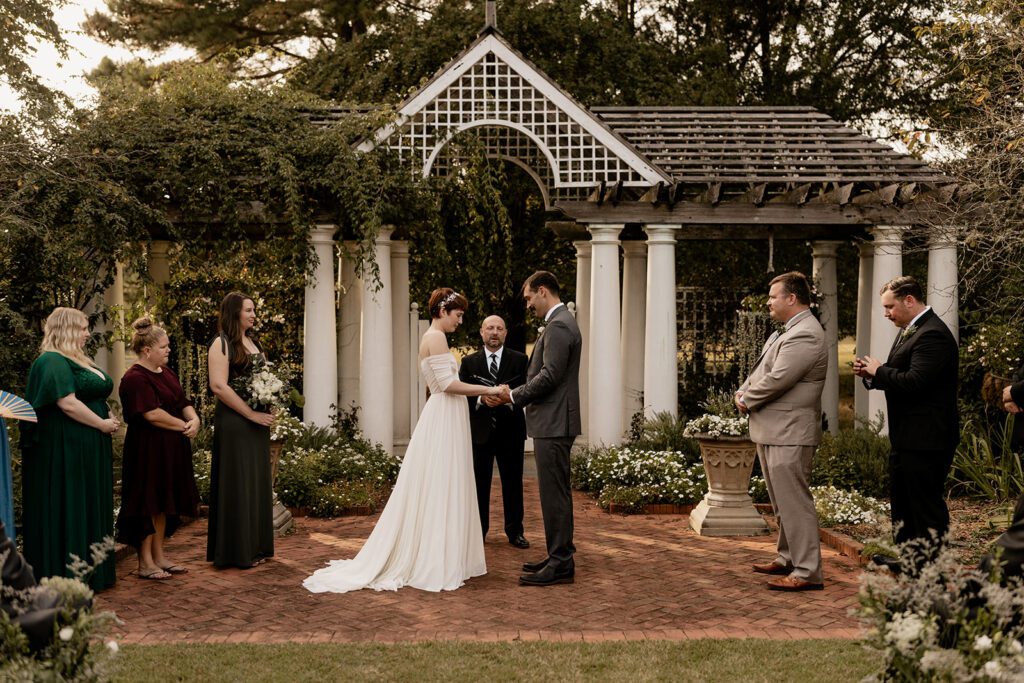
(499, 432)
(920, 384)
(551, 397)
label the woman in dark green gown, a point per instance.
(67, 458)
(241, 531)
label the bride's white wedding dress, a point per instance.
(428, 535)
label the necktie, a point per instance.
(493, 368)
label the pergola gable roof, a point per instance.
(491, 84)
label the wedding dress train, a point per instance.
(429, 535)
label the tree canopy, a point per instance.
(858, 60)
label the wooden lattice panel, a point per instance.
(492, 93)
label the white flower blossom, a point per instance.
(982, 643)
(66, 633)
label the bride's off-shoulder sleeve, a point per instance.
(443, 370)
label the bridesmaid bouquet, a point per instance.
(262, 387)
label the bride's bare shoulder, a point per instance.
(433, 343)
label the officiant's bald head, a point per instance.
(493, 332)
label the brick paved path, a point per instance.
(638, 577)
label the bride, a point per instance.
(429, 534)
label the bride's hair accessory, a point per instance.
(446, 299)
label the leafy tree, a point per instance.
(24, 25)
(855, 59)
(264, 39)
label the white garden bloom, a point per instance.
(982, 643)
(66, 633)
(113, 646)
(992, 668)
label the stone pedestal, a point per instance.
(727, 509)
(282, 517)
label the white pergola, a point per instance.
(667, 173)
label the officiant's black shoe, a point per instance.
(519, 541)
(893, 564)
(549, 576)
(534, 567)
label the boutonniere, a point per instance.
(908, 332)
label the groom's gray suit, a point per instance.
(551, 401)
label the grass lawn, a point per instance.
(702, 660)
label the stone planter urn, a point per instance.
(282, 517)
(727, 509)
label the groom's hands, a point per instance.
(503, 396)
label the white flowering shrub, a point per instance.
(634, 478)
(943, 622)
(81, 647)
(335, 477)
(836, 506)
(716, 426)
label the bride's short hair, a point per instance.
(448, 299)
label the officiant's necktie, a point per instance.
(493, 368)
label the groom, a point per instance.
(551, 399)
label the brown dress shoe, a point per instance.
(791, 583)
(771, 568)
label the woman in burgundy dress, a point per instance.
(157, 481)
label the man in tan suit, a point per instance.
(783, 398)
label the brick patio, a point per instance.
(638, 577)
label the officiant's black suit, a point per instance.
(920, 384)
(498, 434)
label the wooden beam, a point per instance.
(597, 196)
(614, 193)
(796, 195)
(653, 194)
(881, 195)
(755, 194)
(710, 195)
(744, 213)
(839, 194)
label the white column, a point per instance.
(605, 364)
(401, 350)
(865, 301)
(583, 320)
(943, 278)
(661, 372)
(319, 340)
(376, 388)
(634, 313)
(349, 335)
(158, 265)
(888, 264)
(823, 254)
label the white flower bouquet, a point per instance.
(261, 387)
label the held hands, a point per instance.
(866, 366)
(191, 428)
(1009, 405)
(498, 395)
(740, 405)
(110, 425)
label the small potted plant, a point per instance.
(728, 455)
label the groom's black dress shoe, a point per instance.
(534, 567)
(519, 541)
(549, 576)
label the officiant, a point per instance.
(499, 432)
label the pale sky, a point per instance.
(84, 53)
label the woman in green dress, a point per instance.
(67, 466)
(241, 531)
